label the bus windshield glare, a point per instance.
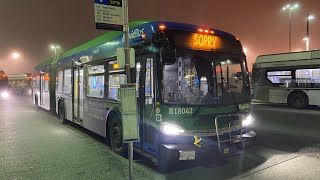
(206, 80)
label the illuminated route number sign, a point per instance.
(207, 42)
(204, 41)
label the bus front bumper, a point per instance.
(206, 150)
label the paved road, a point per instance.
(34, 145)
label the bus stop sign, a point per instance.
(130, 125)
(109, 14)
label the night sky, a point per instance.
(30, 26)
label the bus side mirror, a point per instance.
(168, 55)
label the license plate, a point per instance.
(187, 155)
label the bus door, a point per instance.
(78, 94)
(146, 102)
(41, 89)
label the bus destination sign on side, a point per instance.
(109, 14)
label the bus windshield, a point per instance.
(206, 80)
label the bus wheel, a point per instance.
(115, 135)
(62, 117)
(298, 100)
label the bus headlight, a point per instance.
(170, 129)
(4, 94)
(247, 121)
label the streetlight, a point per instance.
(55, 47)
(245, 50)
(15, 55)
(290, 8)
(307, 38)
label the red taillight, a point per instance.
(206, 31)
(200, 30)
(3, 76)
(212, 32)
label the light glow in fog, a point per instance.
(4, 94)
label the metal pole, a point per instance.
(55, 53)
(308, 39)
(290, 22)
(127, 43)
(127, 68)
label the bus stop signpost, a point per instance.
(113, 15)
(129, 113)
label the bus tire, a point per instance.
(62, 116)
(116, 136)
(298, 100)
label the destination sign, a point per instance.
(206, 42)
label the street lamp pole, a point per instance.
(307, 39)
(55, 48)
(290, 22)
(290, 8)
(55, 52)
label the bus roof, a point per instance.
(106, 37)
(19, 76)
(290, 56)
(112, 35)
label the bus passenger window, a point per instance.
(46, 85)
(280, 78)
(306, 78)
(67, 82)
(138, 67)
(95, 86)
(114, 85)
(35, 82)
(149, 78)
(60, 81)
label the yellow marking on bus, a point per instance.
(197, 141)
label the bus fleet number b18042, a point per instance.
(180, 110)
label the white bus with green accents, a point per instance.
(292, 78)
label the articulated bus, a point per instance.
(3, 85)
(20, 84)
(290, 78)
(189, 105)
